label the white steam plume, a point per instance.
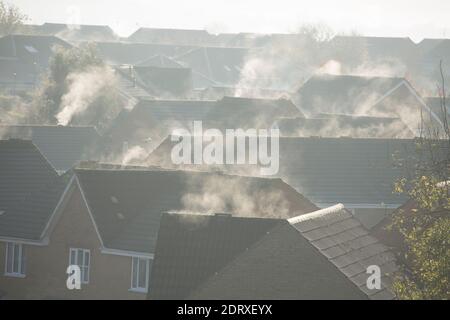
(83, 88)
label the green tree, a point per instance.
(11, 19)
(65, 61)
(425, 229)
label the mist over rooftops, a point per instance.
(143, 194)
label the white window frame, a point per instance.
(84, 268)
(20, 263)
(136, 260)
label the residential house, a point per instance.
(107, 221)
(358, 172)
(23, 59)
(320, 255)
(62, 146)
(151, 121)
(369, 96)
(29, 191)
(30, 49)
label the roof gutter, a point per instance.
(126, 253)
(41, 243)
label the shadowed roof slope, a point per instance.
(223, 257)
(29, 190)
(193, 248)
(319, 255)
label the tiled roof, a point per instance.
(118, 53)
(336, 125)
(63, 146)
(156, 119)
(345, 94)
(234, 112)
(223, 257)
(30, 49)
(215, 92)
(221, 65)
(13, 72)
(438, 51)
(160, 61)
(435, 104)
(357, 172)
(193, 248)
(127, 204)
(130, 86)
(170, 36)
(169, 110)
(29, 190)
(165, 81)
(347, 244)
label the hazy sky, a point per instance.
(414, 18)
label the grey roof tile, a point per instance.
(29, 190)
(347, 245)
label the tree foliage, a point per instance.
(64, 62)
(11, 19)
(425, 229)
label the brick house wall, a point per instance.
(110, 275)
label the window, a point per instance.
(15, 260)
(140, 274)
(81, 258)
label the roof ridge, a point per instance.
(317, 214)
